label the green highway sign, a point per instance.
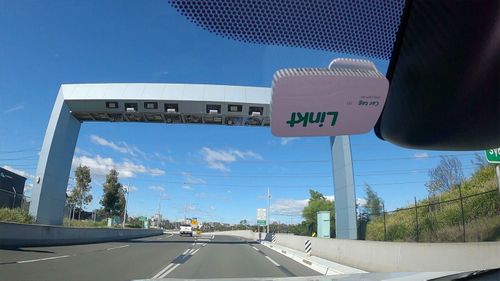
(493, 155)
(261, 222)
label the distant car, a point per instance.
(186, 229)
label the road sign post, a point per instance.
(261, 219)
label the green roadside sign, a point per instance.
(261, 222)
(493, 155)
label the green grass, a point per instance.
(15, 215)
(443, 222)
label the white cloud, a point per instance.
(121, 147)
(82, 151)
(157, 188)
(19, 172)
(421, 155)
(14, 109)
(285, 206)
(361, 202)
(100, 166)
(294, 207)
(156, 172)
(163, 159)
(130, 188)
(103, 142)
(218, 159)
(289, 140)
(190, 180)
(213, 208)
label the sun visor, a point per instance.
(344, 99)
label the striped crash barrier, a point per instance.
(308, 247)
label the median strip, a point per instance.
(44, 259)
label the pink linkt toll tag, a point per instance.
(344, 99)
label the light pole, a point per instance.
(14, 201)
(268, 208)
(125, 189)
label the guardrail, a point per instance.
(22, 235)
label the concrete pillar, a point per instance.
(344, 191)
(54, 165)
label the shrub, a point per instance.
(15, 215)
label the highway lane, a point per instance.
(230, 257)
(164, 256)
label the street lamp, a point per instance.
(126, 190)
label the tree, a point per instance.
(80, 195)
(373, 202)
(447, 174)
(318, 202)
(113, 199)
(244, 222)
(479, 161)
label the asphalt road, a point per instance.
(165, 256)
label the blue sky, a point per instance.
(210, 172)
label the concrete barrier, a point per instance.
(248, 234)
(22, 235)
(376, 256)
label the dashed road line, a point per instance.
(44, 259)
(272, 261)
(255, 249)
(175, 263)
(119, 247)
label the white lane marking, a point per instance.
(162, 271)
(213, 236)
(169, 236)
(195, 252)
(203, 240)
(273, 262)
(170, 270)
(255, 249)
(119, 247)
(186, 251)
(203, 245)
(44, 259)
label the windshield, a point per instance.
(140, 140)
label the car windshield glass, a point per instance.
(210, 139)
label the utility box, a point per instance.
(323, 224)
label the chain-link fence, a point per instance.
(13, 200)
(474, 217)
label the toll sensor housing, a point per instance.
(344, 99)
